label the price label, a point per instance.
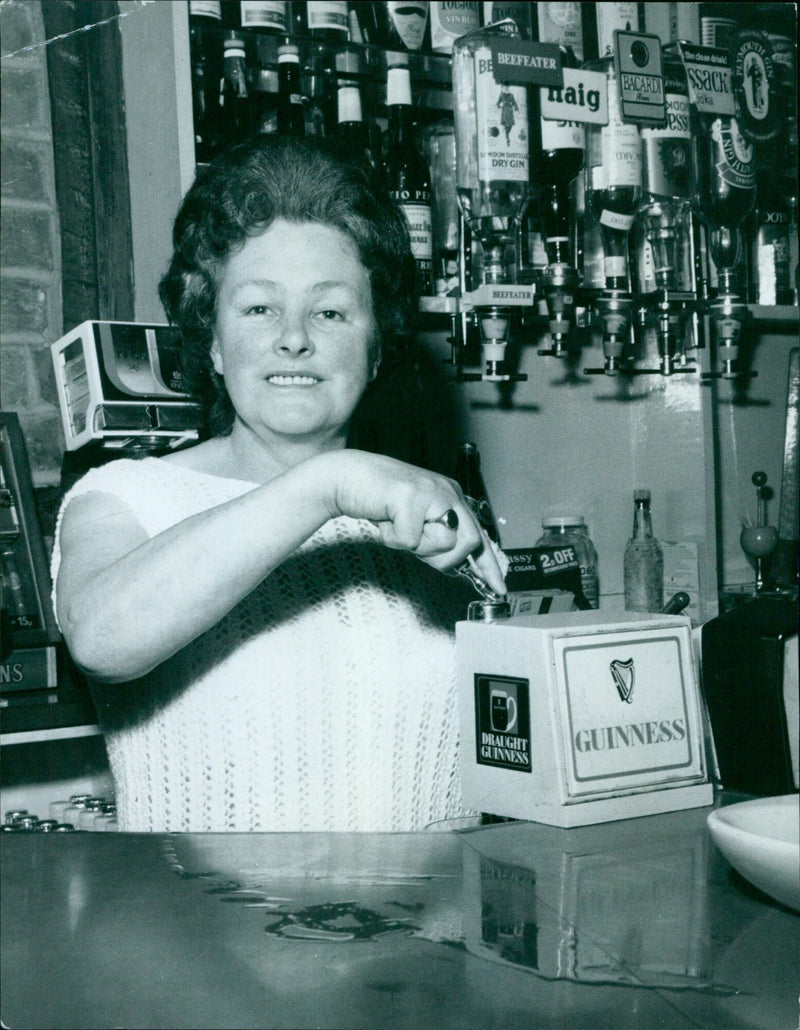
(710, 80)
(583, 97)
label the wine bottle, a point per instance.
(269, 16)
(395, 26)
(519, 12)
(291, 116)
(237, 110)
(448, 21)
(643, 562)
(320, 109)
(601, 21)
(562, 23)
(205, 45)
(406, 175)
(491, 122)
(470, 478)
(352, 134)
(614, 180)
(324, 20)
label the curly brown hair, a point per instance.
(238, 195)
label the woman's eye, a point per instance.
(330, 315)
(257, 309)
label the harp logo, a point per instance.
(624, 676)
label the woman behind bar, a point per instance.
(265, 648)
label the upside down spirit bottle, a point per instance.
(492, 145)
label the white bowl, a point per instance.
(761, 840)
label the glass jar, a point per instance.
(571, 529)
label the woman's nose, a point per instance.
(293, 338)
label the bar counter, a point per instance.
(636, 924)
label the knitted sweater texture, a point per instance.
(325, 700)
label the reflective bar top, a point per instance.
(637, 924)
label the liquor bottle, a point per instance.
(723, 187)
(205, 45)
(324, 20)
(394, 26)
(666, 187)
(601, 21)
(470, 478)
(291, 116)
(265, 95)
(269, 16)
(643, 561)
(320, 108)
(521, 13)
(448, 21)
(770, 264)
(562, 23)
(614, 180)
(440, 153)
(352, 134)
(557, 152)
(237, 111)
(491, 122)
(557, 159)
(406, 174)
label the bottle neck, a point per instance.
(401, 125)
(642, 522)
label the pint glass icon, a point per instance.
(503, 711)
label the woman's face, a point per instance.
(294, 332)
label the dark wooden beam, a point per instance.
(91, 166)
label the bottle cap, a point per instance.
(349, 105)
(398, 87)
(233, 47)
(288, 53)
(641, 495)
(562, 521)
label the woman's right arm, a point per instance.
(127, 602)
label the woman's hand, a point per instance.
(406, 503)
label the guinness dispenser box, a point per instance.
(580, 717)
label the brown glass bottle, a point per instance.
(291, 116)
(406, 175)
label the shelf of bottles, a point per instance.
(642, 194)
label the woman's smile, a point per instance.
(292, 379)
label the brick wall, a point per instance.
(30, 252)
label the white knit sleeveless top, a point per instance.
(325, 700)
